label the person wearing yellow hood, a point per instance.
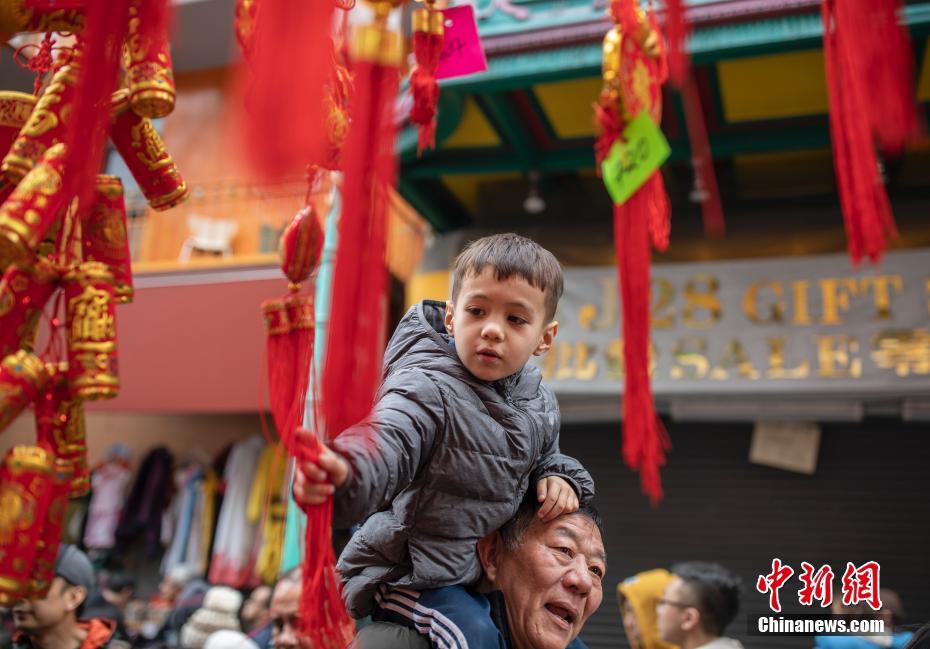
(637, 596)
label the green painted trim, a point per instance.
(541, 114)
(499, 112)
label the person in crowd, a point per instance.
(697, 606)
(255, 616)
(285, 604)
(891, 613)
(56, 621)
(637, 597)
(220, 611)
(462, 423)
(542, 581)
(229, 640)
(110, 601)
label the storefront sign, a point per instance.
(805, 325)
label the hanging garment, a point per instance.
(268, 510)
(235, 535)
(180, 530)
(108, 484)
(150, 494)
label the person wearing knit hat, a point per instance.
(637, 596)
(52, 621)
(226, 639)
(220, 611)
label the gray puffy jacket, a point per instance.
(443, 459)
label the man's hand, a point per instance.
(557, 497)
(314, 482)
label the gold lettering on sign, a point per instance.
(776, 307)
(690, 360)
(701, 295)
(663, 313)
(837, 357)
(835, 293)
(592, 318)
(777, 369)
(736, 358)
(882, 287)
(568, 360)
(92, 319)
(614, 358)
(801, 312)
(906, 351)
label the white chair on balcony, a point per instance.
(208, 235)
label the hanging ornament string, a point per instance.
(428, 37)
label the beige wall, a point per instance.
(182, 434)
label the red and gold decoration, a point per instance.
(428, 39)
(869, 77)
(104, 235)
(90, 306)
(634, 71)
(24, 292)
(144, 152)
(64, 251)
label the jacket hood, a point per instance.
(420, 341)
(642, 591)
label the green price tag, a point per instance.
(633, 159)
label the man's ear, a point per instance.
(74, 596)
(450, 310)
(545, 340)
(489, 552)
(691, 619)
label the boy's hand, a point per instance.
(314, 482)
(557, 497)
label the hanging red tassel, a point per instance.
(98, 57)
(890, 72)
(631, 48)
(866, 209)
(428, 38)
(677, 30)
(290, 65)
(702, 159)
(352, 366)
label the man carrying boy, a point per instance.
(461, 427)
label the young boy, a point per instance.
(461, 427)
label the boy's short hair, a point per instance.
(717, 590)
(510, 254)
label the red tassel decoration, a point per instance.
(427, 46)
(290, 65)
(866, 209)
(891, 72)
(352, 366)
(677, 30)
(631, 46)
(99, 58)
(702, 159)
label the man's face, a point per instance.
(256, 606)
(284, 607)
(676, 612)
(498, 324)
(552, 581)
(46, 613)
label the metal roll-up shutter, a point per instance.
(867, 500)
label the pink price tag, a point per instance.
(462, 52)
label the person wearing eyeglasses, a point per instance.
(697, 606)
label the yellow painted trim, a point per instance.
(473, 130)
(465, 187)
(428, 286)
(774, 86)
(923, 81)
(568, 105)
(201, 263)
